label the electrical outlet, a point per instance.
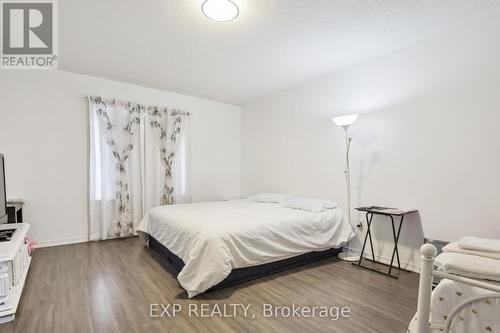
(360, 225)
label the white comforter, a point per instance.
(212, 238)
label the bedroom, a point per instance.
(256, 158)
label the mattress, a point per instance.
(482, 316)
(212, 238)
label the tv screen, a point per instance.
(3, 198)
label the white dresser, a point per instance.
(14, 265)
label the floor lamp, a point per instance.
(345, 122)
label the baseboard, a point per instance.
(386, 260)
(58, 242)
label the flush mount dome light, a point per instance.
(220, 10)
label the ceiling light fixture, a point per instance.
(220, 10)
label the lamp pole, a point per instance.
(345, 255)
(344, 122)
(348, 173)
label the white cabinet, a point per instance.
(14, 265)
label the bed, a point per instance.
(216, 244)
(482, 316)
(458, 304)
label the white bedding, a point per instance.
(455, 248)
(467, 265)
(482, 316)
(480, 244)
(212, 238)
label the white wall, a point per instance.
(44, 136)
(428, 137)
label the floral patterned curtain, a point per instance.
(168, 127)
(120, 139)
(115, 132)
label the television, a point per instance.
(3, 197)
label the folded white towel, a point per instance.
(470, 266)
(455, 248)
(480, 244)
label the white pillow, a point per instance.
(328, 204)
(270, 197)
(311, 205)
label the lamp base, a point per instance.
(346, 257)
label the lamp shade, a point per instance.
(220, 10)
(345, 121)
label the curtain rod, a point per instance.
(98, 98)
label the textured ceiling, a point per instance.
(272, 45)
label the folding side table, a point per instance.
(390, 213)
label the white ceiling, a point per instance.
(272, 45)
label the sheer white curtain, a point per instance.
(133, 164)
(181, 169)
(166, 145)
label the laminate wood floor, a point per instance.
(109, 286)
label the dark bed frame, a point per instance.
(240, 275)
